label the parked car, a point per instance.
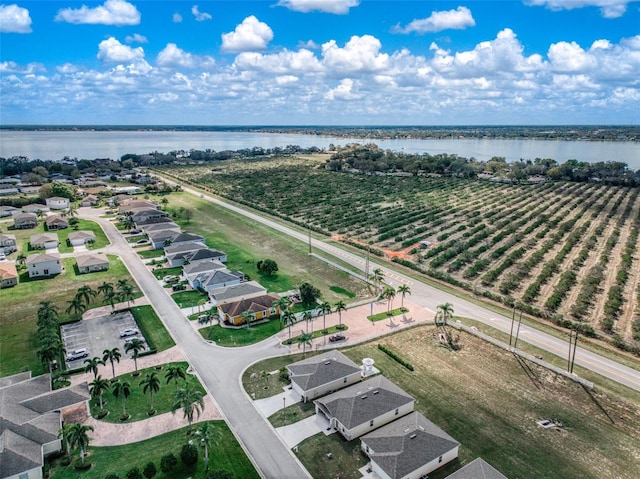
(337, 337)
(142, 241)
(131, 338)
(134, 232)
(77, 354)
(170, 278)
(129, 332)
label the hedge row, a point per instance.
(395, 357)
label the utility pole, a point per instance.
(515, 344)
(513, 320)
(366, 266)
(573, 343)
(309, 229)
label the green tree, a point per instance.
(175, 374)
(47, 314)
(377, 277)
(135, 346)
(339, 307)
(125, 291)
(97, 387)
(388, 293)
(64, 434)
(149, 470)
(208, 435)
(288, 319)
(444, 312)
(51, 349)
(307, 317)
(187, 214)
(304, 340)
(80, 438)
(122, 389)
(403, 289)
(282, 303)
(248, 316)
(105, 288)
(325, 308)
(112, 355)
(150, 383)
(168, 463)
(267, 266)
(91, 365)
(86, 294)
(164, 202)
(134, 473)
(76, 307)
(110, 298)
(189, 455)
(190, 401)
(309, 294)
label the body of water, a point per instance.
(55, 145)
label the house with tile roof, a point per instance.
(8, 274)
(30, 416)
(408, 448)
(363, 407)
(90, 263)
(319, 375)
(229, 294)
(44, 265)
(89, 200)
(477, 469)
(262, 307)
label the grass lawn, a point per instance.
(187, 299)
(253, 379)
(386, 314)
(246, 242)
(318, 333)
(160, 273)
(485, 399)
(154, 331)
(18, 306)
(294, 413)
(135, 238)
(225, 454)
(242, 336)
(151, 253)
(83, 225)
(138, 403)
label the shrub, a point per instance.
(134, 474)
(111, 476)
(395, 357)
(219, 474)
(189, 455)
(168, 462)
(149, 470)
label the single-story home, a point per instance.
(90, 263)
(89, 200)
(206, 255)
(323, 374)
(261, 306)
(30, 417)
(153, 221)
(79, 238)
(176, 254)
(8, 211)
(25, 220)
(56, 222)
(8, 274)
(363, 407)
(142, 214)
(161, 238)
(8, 243)
(408, 448)
(126, 190)
(216, 279)
(477, 469)
(44, 241)
(44, 265)
(35, 208)
(193, 270)
(8, 191)
(57, 203)
(170, 225)
(129, 205)
(30, 189)
(189, 238)
(229, 294)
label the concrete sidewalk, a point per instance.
(294, 434)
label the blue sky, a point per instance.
(312, 62)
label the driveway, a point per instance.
(271, 405)
(295, 433)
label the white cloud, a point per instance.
(28, 69)
(173, 56)
(608, 8)
(344, 91)
(136, 38)
(250, 35)
(112, 51)
(457, 19)
(339, 7)
(113, 12)
(360, 54)
(570, 57)
(14, 19)
(287, 79)
(200, 16)
(176, 18)
(302, 61)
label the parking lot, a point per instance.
(96, 335)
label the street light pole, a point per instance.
(284, 405)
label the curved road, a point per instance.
(429, 297)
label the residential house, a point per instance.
(8, 274)
(261, 306)
(8, 243)
(8, 190)
(25, 220)
(192, 270)
(191, 238)
(35, 208)
(477, 469)
(229, 294)
(82, 237)
(56, 222)
(29, 189)
(153, 221)
(363, 407)
(409, 448)
(323, 374)
(176, 254)
(89, 200)
(142, 214)
(90, 263)
(126, 190)
(8, 211)
(206, 256)
(129, 205)
(30, 417)
(44, 265)
(220, 278)
(170, 225)
(161, 238)
(57, 203)
(44, 241)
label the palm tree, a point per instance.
(150, 383)
(325, 308)
(97, 387)
(72, 210)
(282, 303)
(92, 365)
(403, 289)
(21, 259)
(377, 277)
(288, 318)
(388, 293)
(105, 288)
(110, 297)
(86, 294)
(190, 401)
(444, 313)
(64, 433)
(175, 374)
(122, 389)
(248, 315)
(47, 310)
(207, 435)
(307, 317)
(135, 345)
(76, 306)
(112, 355)
(51, 349)
(164, 202)
(305, 339)
(80, 438)
(125, 292)
(339, 307)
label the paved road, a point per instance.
(429, 297)
(219, 369)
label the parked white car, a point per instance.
(77, 354)
(125, 333)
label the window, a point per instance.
(24, 475)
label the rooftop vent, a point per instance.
(413, 436)
(364, 396)
(376, 391)
(326, 363)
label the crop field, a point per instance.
(567, 252)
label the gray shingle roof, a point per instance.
(318, 370)
(42, 258)
(202, 267)
(203, 254)
(153, 221)
(477, 469)
(83, 234)
(183, 248)
(188, 237)
(161, 226)
(407, 444)
(91, 260)
(216, 277)
(364, 401)
(238, 290)
(163, 235)
(18, 454)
